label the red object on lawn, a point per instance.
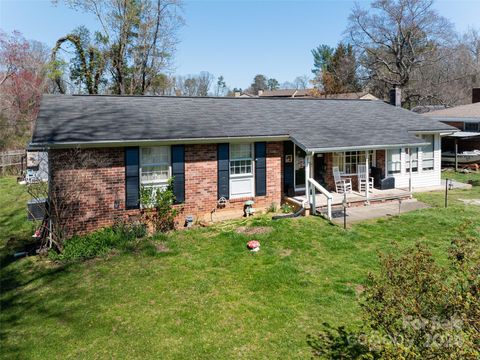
(253, 244)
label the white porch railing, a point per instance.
(311, 196)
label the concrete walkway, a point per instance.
(361, 213)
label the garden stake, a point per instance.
(446, 192)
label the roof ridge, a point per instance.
(208, 97)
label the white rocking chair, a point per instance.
(362, 179)
(341, 185)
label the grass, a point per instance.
(202, 294)
(470, 177)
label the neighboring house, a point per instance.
(224, 148)
(307, 93)
(293, 93)
(466, 118)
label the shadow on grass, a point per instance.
(21, 297)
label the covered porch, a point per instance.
(320, 175)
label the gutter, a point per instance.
(364, 147)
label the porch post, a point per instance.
(307, 177)
(410, 170)
(367, 187)
(456, 154)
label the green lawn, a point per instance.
(203, 295)
(472, 177)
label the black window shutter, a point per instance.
(178, 172)
(223, 157)
(260, 168)
(132, 180)
(288, 170)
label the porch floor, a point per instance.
(356, 197)
(379, 210)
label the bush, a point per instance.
(272, 208)
(415, 308)
(121, 235)
(286, 208)
(157, 205)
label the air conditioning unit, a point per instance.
(37, 209)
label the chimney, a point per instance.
(475, 95)
(396, 97)
(260, 92)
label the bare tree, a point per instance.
(194, 85)
(396, 37)
(301, 82)
(141, 36)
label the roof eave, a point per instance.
(152, 142)
(364, 147)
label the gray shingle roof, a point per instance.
(313, 124)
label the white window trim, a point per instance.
(156, 183)
(241, 159)
(423, 170)
(408, 160)
(402, 152)
(342, 154)
(241, 176)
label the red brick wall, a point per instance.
(458, 124)
(201, 193)
(380, 161)
(86, 183)
(91, 190)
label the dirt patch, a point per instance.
(359, 289)
(162, 247)
(286, 252)
(253, 230)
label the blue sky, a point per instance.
(236, 39)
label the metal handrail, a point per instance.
(315, 185)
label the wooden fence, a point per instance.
(12, 161)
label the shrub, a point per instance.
(157, 205)
(121, 235)
(272, 208)
(415, 308)
(286, 208)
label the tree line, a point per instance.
(404, 44)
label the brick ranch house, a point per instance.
(234, 149)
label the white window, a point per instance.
(241, 159)
(394, 161)
(155, 167)
(428, 158)
(347, 161)
(241, 170)
(413, 157)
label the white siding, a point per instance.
(421, 178)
